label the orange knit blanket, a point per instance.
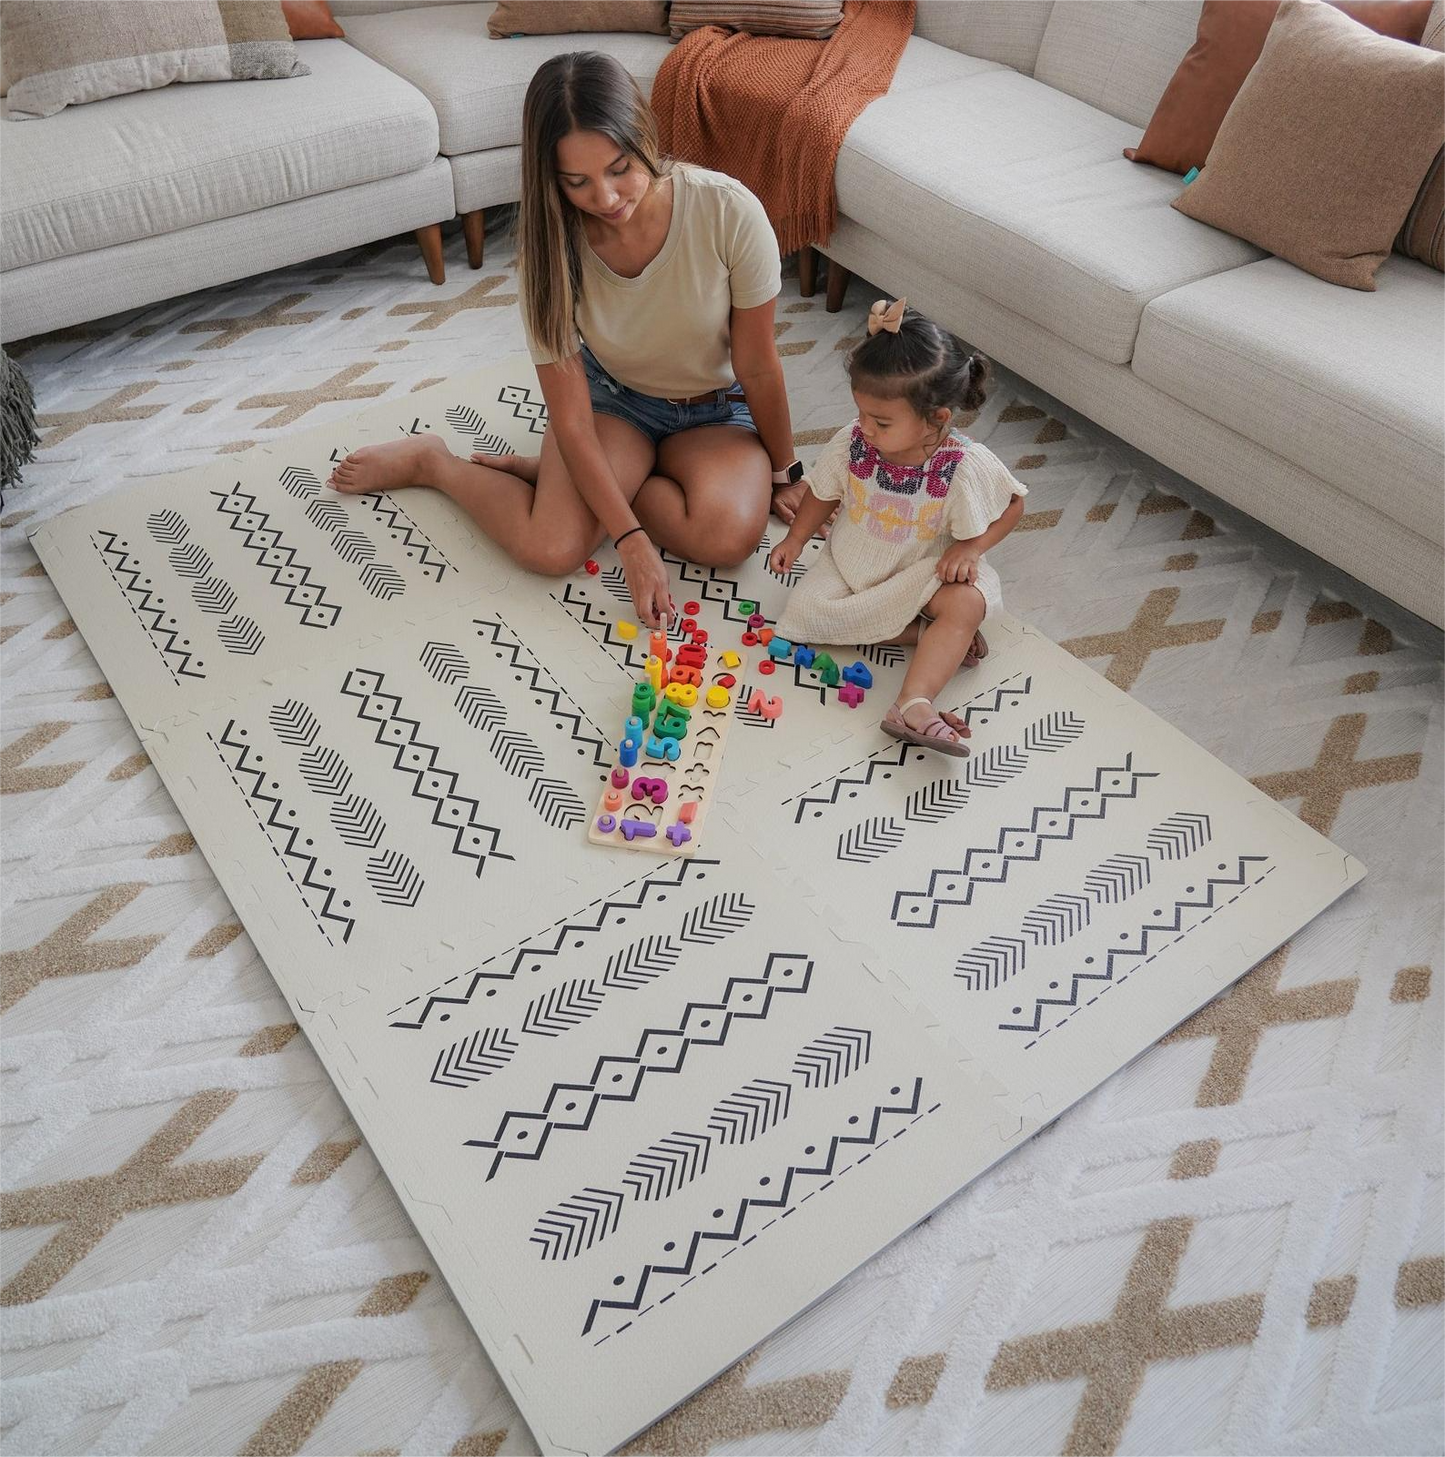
(773, 112)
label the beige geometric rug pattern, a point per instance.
(1235, 1244)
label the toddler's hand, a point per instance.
(959, 564)
(783, 555)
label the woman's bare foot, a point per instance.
(524, 467)
(386, 466)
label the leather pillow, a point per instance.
(311, 20)
(1230, 37)
(1322, 152)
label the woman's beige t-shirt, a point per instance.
(666, 332)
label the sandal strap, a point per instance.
(904, 707)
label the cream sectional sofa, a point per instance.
(988, 186)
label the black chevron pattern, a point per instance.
(382, 580)
(470, 1059)
(357, 821)
(636, 965)
(995, 767)
(517, 754)
(285, 569)
(562, 1008)
(1117, 878)
(160, 625)
(169, 528)
(293, 723)
(240, 634)
(933, 803)
(557, 803)
(835, 1055)
(668, 1165)
(191, 560)
(283, 831)
(213, 595)
(1056, 919)
(480, 707)
(991, 963)
(524, 1134)
(394, 879)
(870, 841)
(446, 662)
(297, 481)
(353, 547)
(327, 515)
(578, 1223)
(1053, 733)
(466, 421)
(749, 1113)
(778, 1194)
(459, 814)
(1180, 836)
(325, 771)
(429, 557)
(716, 919)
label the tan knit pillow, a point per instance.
(58, 55)
(1423, 235)
(801, 19)
(563, 17)
(1321, 153)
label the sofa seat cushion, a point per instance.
(1345, 384)
(474, 83)
(152, 162)
(1027, 189)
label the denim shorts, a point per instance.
(658, 418)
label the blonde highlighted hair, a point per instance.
(579, 91)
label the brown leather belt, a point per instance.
(706, 397)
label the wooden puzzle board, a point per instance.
(644, 1109)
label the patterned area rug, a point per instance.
(1234, 1245)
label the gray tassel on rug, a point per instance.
(17, 416)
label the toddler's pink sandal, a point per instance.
(935, 734)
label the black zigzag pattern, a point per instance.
(161, 628)
(517, 754)
(297, 481)
(668, 1165)
(429, 556)
(577, 1223)
(990, 864)
(565, 935)
(394, 879)
(572, 1106)
(869, 841)
(240, 635)
(472, 838)
(704, 1243)
(293, 723)
(1180, 835)
(562, 1008)
(752, 1110)
(353, 547)
(480, 707)
(169, 528)
(470, 1059)
(991, 963)
(325, 771)
(525, 406)
(357, 821)
(557, 803)
(466, 421)
(446, 662)
(279, 823)
(599, 624)
(1145, 944)
(213, 595)
(382, 580)
(191, 560)
(527, 671)
(285, 568)
(835, 1055)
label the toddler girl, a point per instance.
(918, 505)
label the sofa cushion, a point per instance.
(136, 166)
(1029, 191)
(1006, 31)
(1347, 385)
(474, 83)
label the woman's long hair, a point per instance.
(580, 91)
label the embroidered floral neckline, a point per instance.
(935, 475)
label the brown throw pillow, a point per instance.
(562, 17)
(1325, 145)
(1230, 37)
(1423, 235)
(799, 19)
(311, 20)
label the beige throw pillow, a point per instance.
(1322, 152)
(57, 55)
(564, 17)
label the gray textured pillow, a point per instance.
(53, 56)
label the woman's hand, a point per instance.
(959, 563)
(786, 500)
(784, 554)
(647, 579)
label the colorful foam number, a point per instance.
(803, 655)
(826, 669)
(690, 655)
(859, 675)
(632, 829)
(718, 697)
(768, 707)
(685, 676)
(682, 694)
(663, 748)
(651, 789)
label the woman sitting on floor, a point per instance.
(648, 292)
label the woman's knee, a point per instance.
(551, 556)
(728, 535)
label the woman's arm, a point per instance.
(760, 373)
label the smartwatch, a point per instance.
(789, 474)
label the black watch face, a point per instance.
(795, 472)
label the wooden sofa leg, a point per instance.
(838, 277)
(429, 239)
(474, 230)
(807, 271)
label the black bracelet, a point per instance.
(618, 540)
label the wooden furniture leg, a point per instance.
(838, 277)
(429, 239)
(807, 271)
(474, 230)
